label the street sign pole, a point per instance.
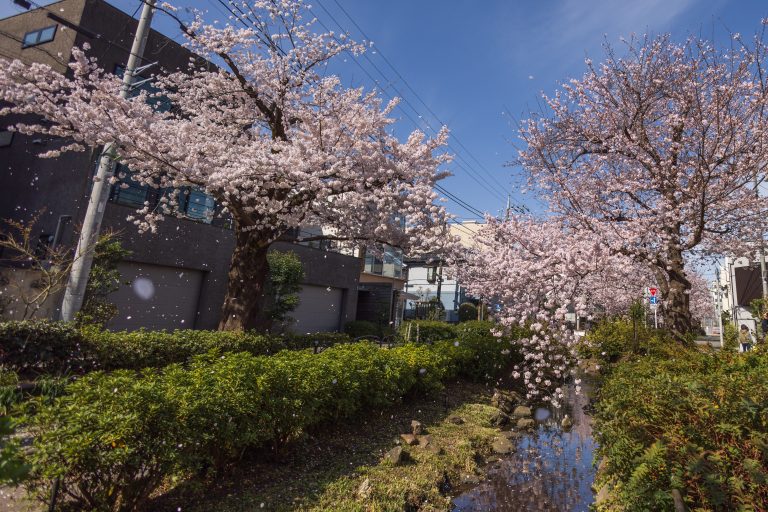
(653, 300)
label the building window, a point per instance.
(197, 205)
(129, 192)
(6, 138)
(194, 204)
(389, 265)
(44, 35)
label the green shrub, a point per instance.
(103, 279)
(113, 438)
(426, 331)
(286, 273)
(358, 328)
(476, 327)
(143, 349)
(467, 312)
(32, 348)
(694, 422)
(54, 348)
(730, 337)
(611, 339)
(12, 468)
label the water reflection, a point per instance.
(551, 470)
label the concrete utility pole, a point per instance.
(81, 267)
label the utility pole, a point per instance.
(717, 297)
(440, 285)
(81, 267)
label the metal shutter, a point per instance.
(318, 311)
(156, 297)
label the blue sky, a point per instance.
(479, 65)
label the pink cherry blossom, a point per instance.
(268, 134)
(655, 155)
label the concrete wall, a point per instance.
(17, 283)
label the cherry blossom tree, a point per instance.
(656, 154)
(268, 133)
(534, 271)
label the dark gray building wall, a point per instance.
(60, 186)
(325, 268)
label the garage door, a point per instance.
(319, 309)
(156, 297)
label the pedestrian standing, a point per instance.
(745, 339)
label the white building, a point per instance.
(738, 284)
(427, 278)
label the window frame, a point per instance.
(39, 33)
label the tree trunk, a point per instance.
(677, 311)
(244, 304)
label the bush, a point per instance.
(426, 331)
(134, 350)
(32, 348)
(12, 468)
(730, 338)
(103, 279)
(358, 328)
(54, 348)
(286, 273)
(114, 437)
(694, 422)
(13, 392)
(467, 312)
(611, 339)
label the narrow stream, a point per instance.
(551, 469)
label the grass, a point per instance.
(325, 469)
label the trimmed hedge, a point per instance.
(55, 348)
(43, 347)
(690, 421)
(467, 312)
(114, 438)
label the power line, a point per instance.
(475, 175)
(459, 201)
(408, 85)
(469, 170)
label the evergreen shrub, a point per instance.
(115, 437)
(33, 348)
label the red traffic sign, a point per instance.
(653, 291)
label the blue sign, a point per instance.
(653, 300)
